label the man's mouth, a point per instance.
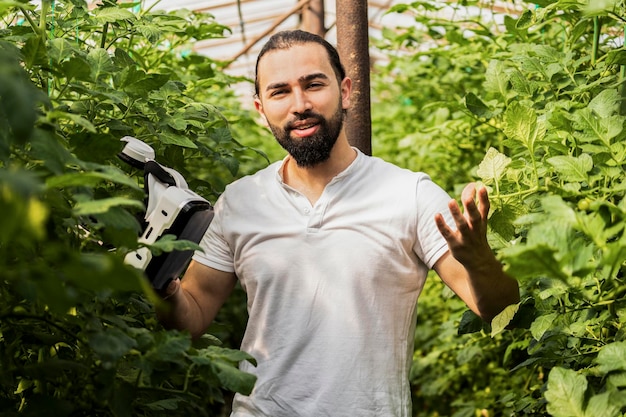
(304, 128)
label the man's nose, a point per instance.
(301, 101)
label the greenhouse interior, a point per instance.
(305, 208)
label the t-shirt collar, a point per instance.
(346, 172)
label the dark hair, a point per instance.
(288, 38)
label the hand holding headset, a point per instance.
(172, 208)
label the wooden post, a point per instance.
(353, 47)
(313, 18)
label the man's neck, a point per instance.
(311, 181)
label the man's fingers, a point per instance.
(469, 193)
(475, 203)
(443, 227)
(483, 202)
(172, 288)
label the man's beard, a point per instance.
(311, 150)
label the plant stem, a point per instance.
(103, 40)
(45, 6)
(596, 40)
(169, 391)
(30, 20)
(43, 319)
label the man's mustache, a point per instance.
(309, 114)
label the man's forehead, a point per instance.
(297, 61)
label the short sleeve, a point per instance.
(430, 200)
(216, 252)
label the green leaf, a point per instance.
(521, 124)
(612, 357)
(496, 78)
(75, 118)
(532, 262)
(231, 163)
(170, 404)
(599, 7)
(224, 363)
(60, 49)
(521, 84)
(470, 323)
(118, 227)
(168, 243)
(54, 154)
(556, 208)
(503, 319)
(572, 168)
(477, 107)
(176, 123)
(592, 128)
(91, 178)
(565, 393)
(234, 379)
(606, 404)
(493, 166)
(526, 20)
(77, 67)
(533, 65)
(18, 102)
(150, 31)
(34, 52)
(617, 380)
(173, 348)
(111, 344)
(10, 4)
(606, 103)
(221, 134)
(112, 14)
(106, 272)
(616, 57)
(103, 205)
(147, 83)
(541, 324)
(100, 62)
(469, 354)
(179, 140)
(123, 59)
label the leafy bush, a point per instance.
(77, 330)
(543, 98)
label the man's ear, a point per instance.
(259, 108)
(346, 90)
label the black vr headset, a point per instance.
(171, 209)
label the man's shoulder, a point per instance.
(262, 177)
(250, 191)
(383, 169)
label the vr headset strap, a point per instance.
(154, 168)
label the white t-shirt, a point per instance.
(332, 288)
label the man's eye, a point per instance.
(316, 85)
(277, 93)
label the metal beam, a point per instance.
(313, 18)
(266, 32)
(353, 47)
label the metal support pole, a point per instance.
(353, 47)
(313, 18)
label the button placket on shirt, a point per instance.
(317, 212)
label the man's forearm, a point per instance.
(493, 289)
(179, 311)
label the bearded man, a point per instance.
(332, 248)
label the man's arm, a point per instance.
(193, 303)
(470, 268)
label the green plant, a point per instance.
(544, 102)
(77, 330)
